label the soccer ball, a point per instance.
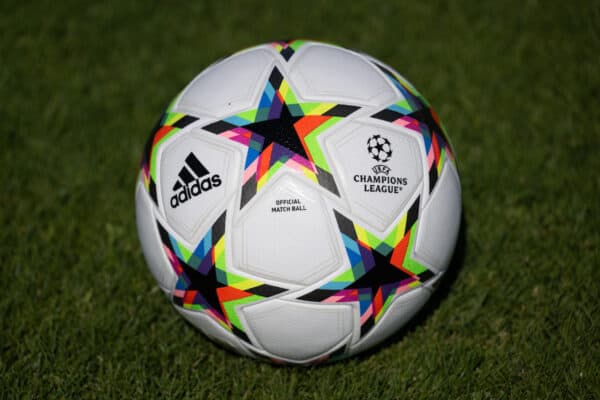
(298, 202)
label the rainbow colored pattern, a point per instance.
(414, 113)
(264, 159)
(203, 282)
(380, 269)
(287, 48)
(168, 125)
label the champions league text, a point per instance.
(381, 184)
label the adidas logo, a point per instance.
(194, 179)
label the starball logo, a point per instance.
(194, 179)
(379, 149)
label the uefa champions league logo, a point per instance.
(381, 169)
(380, 149)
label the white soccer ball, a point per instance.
(298, 201)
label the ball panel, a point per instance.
(284, 221)
(440, 221)
(198, 174)
(380, 168)
(151, 246)
(325, 72)
(402, 309)
(213, 330)
(298, 331)
(398, 79)
(227, 87)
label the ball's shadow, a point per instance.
(439, 295)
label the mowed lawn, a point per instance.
(517, 84)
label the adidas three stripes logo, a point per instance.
(194, 179)
(186, 176)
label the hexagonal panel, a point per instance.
(324, 73)
(440, 221)
(213, 330)
(287, 235)
(298, 331)
(401, 310)
(380, 168)
(149, 239)
(197, 173)
(227, 87)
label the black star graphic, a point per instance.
(381, 274)
(280, 130)
(280, 119)
(207, 285)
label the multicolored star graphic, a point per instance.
(203, 282)
(414, 112)
(380, 268)
(282, 131)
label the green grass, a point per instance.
(518, 86)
